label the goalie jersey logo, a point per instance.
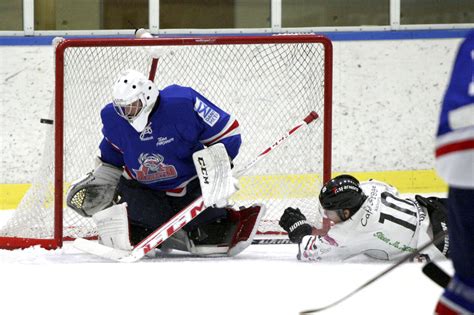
(152, 169)
(208, 115)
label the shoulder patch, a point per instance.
(209, 115)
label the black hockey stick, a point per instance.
(411, 256)
(273, 241)
(435, 273)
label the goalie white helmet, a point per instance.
(134, 97)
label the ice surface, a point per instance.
(264, 279)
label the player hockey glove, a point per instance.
(295, 224)
(307, 249)
(315, 247)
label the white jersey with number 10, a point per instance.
(385, 227)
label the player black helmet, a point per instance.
(342, 192)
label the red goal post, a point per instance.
(265, 81)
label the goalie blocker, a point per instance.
(213, 167)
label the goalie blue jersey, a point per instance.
(181, 123)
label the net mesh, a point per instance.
(268, 87)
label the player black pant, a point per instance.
(439, 223)
(461, 235)
(438, 214)
(149, 209)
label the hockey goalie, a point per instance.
(162, 149)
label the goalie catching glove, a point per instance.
(215, 175)
(295, 224)
(95, 191)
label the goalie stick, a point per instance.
(182, 218)
(411, 256)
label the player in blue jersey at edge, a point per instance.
(160, 149)
(455, 163)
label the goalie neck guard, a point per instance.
(134, 97)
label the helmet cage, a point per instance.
(131, 87)
(129, 110)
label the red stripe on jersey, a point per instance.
(234, 126)
(113, 145)
(455, 147)
(128, 172)
(175, 190)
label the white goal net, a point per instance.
(267, 82)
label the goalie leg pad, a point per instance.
(112, 226)
(249, 220)
(149, 209)
(179, 241)
(230, 236)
